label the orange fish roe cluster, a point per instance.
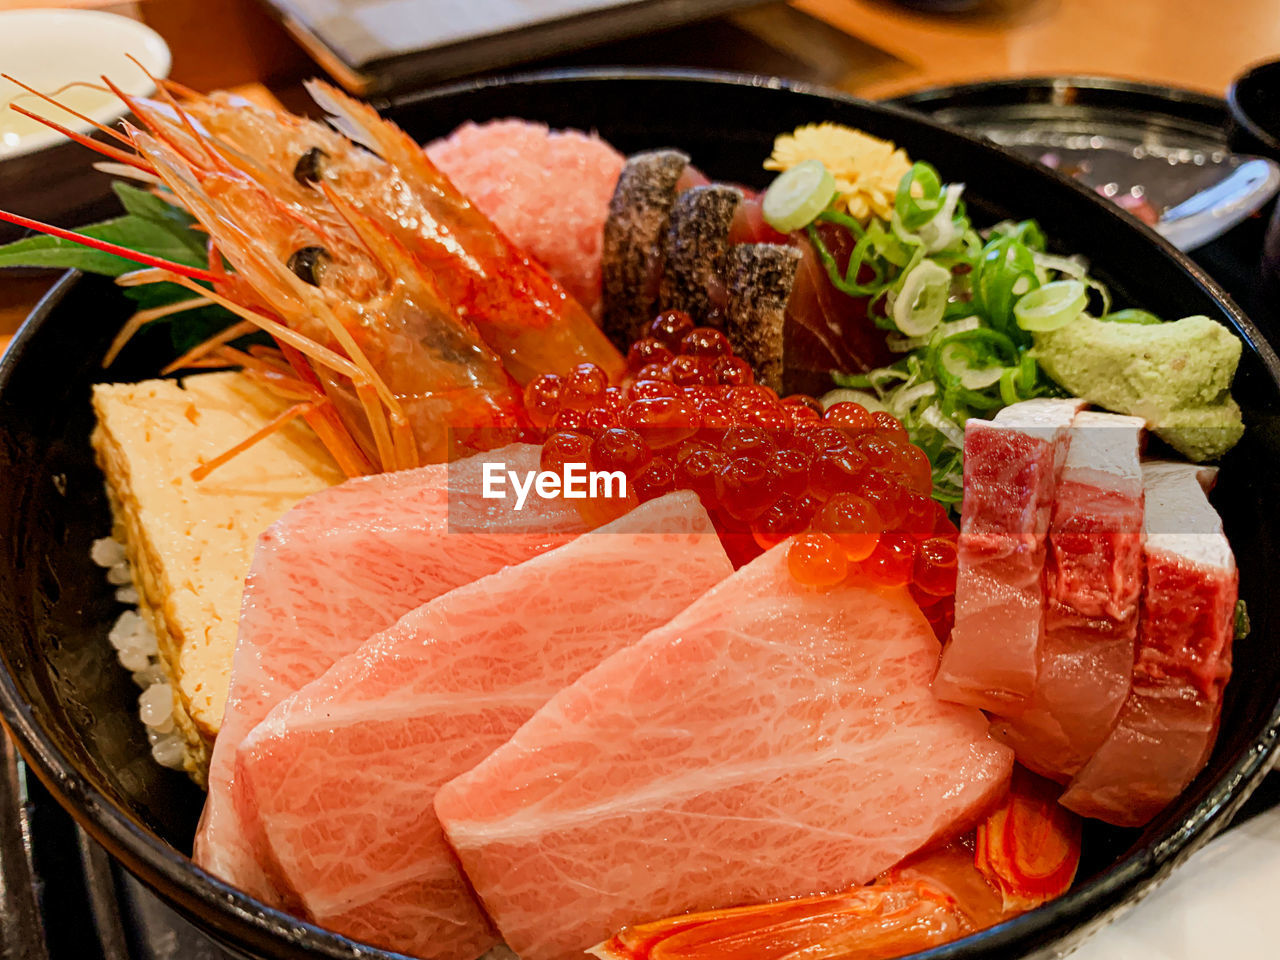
(846, 483)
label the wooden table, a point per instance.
(1186, 43)
(872, 47)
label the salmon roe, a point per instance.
(846, 483)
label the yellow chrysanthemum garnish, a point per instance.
(867, 169)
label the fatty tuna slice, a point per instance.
(341, 565)
(1167, 727)
(1011, 467)
(1094, 581)
(342, 773)
(770, 741)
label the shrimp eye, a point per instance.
(308, 263)
(308, 168)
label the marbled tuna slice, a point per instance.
(1011, 467)
(341, 774)
(1167, 727)
(1094, 580)
(341, 565)
(770, 741)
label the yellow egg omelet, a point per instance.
(190, 543)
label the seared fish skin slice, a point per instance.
(633, 241)
(759, 277)
(696, 244)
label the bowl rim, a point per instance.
(1270, 139)
(85, 20)
(1100, 84)
(199, 894)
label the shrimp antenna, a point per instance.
(233, 332)
(181, 89)
(141, 319)
(103, 148)
(50, 99)
(128, 172)
(194, 273)
(185, 120)
(325, 421)
(135, 106)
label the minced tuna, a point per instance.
(547, 190)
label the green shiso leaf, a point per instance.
(150, 225)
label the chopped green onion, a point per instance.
(897, 343)
(948, 428)
(960, 361)
(919, 196)
(1004, 263)
(797, 196)
(959, 309)
(1009, 386)
(903, 400)
(922, 298)
(941, 231)
(987, 337)
(1027, 368)
(867, 246)
(963, 325)
(1103, 293)
(1073, 267)
(1051, 306)
(1025, 232)
(1132, 315)
(870, 401)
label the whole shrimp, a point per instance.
(413, 382)
(524, 315)
(354, 279)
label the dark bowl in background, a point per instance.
(73, 711)
(1254, 99)
(1164, 111)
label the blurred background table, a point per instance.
(873, 48)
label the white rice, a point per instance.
(107, 552)
(138, 652)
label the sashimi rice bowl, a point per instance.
(533, 543)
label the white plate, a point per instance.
(51, 48)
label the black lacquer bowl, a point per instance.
(73, 710)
